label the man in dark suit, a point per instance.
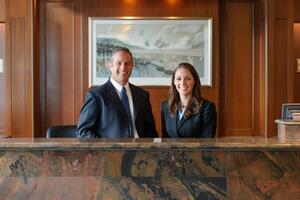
(117, 109)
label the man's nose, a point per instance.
(123, 66)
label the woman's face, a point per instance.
(184, 82)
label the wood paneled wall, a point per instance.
(64, 76)
(296, 49)
(60, 64)
(2, 11)
(19, 66)
(243, 87)
(296, 56)
(280, 84)
(2, 76)
(296, 10)
(242, 106)
(2, 80)
(253, 64)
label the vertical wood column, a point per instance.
(240, 69)
(280, 60)
(297, 56)
(2, 69)
(2, 11)
(60, 63)
(19, 67)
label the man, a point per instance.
(117, 109)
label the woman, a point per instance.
(186, 114)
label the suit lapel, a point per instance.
(181, 123)
(173, 125)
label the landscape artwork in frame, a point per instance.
(158, 46)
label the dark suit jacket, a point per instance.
(102, 114)
(199, 125)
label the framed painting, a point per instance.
(157, 45)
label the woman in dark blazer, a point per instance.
(186, 114)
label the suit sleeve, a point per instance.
(88, 119)
(209, 121)
(149, 123)
(163, 121)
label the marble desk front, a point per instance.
(222, 168)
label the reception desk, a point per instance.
(288, 129)
(224, 168)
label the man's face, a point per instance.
(120, 66)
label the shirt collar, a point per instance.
(118, 86)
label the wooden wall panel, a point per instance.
(280, 67)
(280, 58)
(297, 56)
(239, 71)
(19, 68)
(2, 11)
(19, 8)
(59, 74)
(60, 63)
(78, 57)
(296, 10)
(296, 49)
(2, 80)
(260, 66)
(18, 78)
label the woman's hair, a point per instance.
(195, 102)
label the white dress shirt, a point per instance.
(118, 88)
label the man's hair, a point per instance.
(123, 49)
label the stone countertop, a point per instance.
(229, 143)
(287, 122)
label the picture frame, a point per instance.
(158, 45)
(288, 109)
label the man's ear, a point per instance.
(109, 64)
